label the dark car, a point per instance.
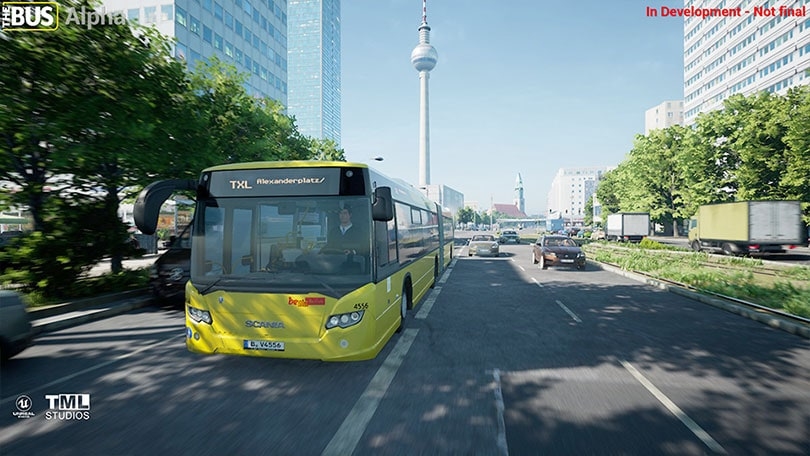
(509, 236)
(172, 269)
(15, 325)
(557, 250)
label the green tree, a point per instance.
(240, 127)
(795, 182)
(466, 215)
(758, 140)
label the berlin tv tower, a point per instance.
(424, 58)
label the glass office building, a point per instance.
(314, 67)
(249, 34)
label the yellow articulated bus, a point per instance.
(303, 259)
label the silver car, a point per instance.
(484, 245)
(15, 325)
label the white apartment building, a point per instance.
(571, 189)
(666, 114)
(758, 45)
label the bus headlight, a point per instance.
(199, 316)
(344, 320)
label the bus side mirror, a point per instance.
(149, 200)
(382, 210)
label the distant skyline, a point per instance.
(522, 87)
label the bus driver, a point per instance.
(347, 238)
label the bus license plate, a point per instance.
(264, 345)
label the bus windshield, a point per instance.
(286, 244)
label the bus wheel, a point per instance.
(404, 305)
(435, 273)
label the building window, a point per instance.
(181, 18)
(218, 42)
(208, 34)
(218, 11)
(166, 12)
(180, 51)
(194, 25)
(134, 15)
(150, 14)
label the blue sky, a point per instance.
(520, 87)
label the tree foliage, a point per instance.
(755, 148)
(88, 116)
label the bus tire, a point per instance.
(404, 305)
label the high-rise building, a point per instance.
(250, 34)
(314, 67)
(571, 189)
(758, 45)
(664, 115)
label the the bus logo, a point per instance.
(29, 16)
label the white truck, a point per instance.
(745, 227)
(628, 226)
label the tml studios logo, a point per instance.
(68, 407)
(29, 16)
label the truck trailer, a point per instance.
(628, 226)
(745, 227)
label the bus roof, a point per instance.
(286, 164)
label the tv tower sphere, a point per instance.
(424, 55)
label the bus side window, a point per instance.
(381, 239)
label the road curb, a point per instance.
(66, 315)
(79, 304)
(753, 314)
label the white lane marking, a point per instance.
(447, 271)
(568, 311)
(675, 410)
(424, 309)
(90, 369)
(503, 448)
(348, 435)
(537, 283)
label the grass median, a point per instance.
(785, 288)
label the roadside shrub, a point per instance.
(649, 244)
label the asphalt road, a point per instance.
(503, 358)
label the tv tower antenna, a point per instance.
(423, 59)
